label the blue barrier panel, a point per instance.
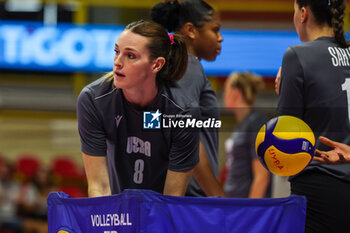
(144, 211)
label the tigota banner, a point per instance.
(89, 48)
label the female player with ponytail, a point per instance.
(199, 25)
(315, 86)
(118, 152)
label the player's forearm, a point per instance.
(259, 187)
(176, 182)
(205, 176)
(98, 191)
(96, 175)
(208, 182)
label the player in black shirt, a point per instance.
(315, 86)
(199, 24)
(119, 151)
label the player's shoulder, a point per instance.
(194, 73)
(175, 98)
(178, 103)
(194, 77)
(257, 118)
(193, 62)
(100, 88)
(167, 96)
(252, 122)
(314, 46)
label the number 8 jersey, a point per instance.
(315, 86)
(139, 150)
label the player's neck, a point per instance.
(190, 50)
(242, 112)
(140, 98)
(320, 31)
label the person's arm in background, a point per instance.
(261, 180)
(340, 154)
(176, 182)
(97, 175)
(278, 81)
(261, 176)
(205, 176)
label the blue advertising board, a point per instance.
(66, 47)
(136, 211)
(89, 48)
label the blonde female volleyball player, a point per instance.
(315, 86)
(119, 152)
(199, 25)
(246, 175)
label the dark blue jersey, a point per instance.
(196, 89)
(315, 86)
(137, 158)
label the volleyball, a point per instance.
(285, 145)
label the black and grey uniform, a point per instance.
(315, 86)
(196, 89)
(137, 158)
(240, 151)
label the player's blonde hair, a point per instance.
(248, 83)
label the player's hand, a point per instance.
(340, 154)
(278, 81)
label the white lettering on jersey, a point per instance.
(340, 56)
(346, 87)
(137, 145)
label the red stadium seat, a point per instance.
(65, 167)
(73, 191)
(27, 165)
(68, 175)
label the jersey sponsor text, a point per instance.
(137, 145)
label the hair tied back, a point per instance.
(171, 37)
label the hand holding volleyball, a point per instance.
(285, 145)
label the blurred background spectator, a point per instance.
(246, 176)
(9, 192)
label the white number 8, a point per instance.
(138, 175)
